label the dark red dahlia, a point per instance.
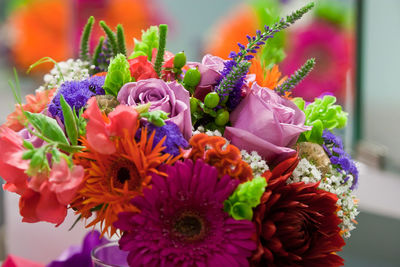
(296, 223)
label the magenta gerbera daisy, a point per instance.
(182, 222)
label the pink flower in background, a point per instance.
(333, 52)
(169, 97)
(267, 123)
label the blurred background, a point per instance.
(355, 43)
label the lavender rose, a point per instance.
(169, 97)
(266, 123)
(210, 69)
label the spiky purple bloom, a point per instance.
(174, 138)
(182, 222)
(333, 146)
(76, 94)
(232, 79)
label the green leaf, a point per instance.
(70, 123)
(47, 126)
(28, 145)
(28, 154)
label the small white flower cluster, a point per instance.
(257, 164)
(70, 70)
(333, 182)
(201, 129)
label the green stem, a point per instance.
(163, 28)
(110, 36)
(121, 40)
(97, 51)
(84, 53)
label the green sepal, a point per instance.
(28, 154)
(47, 126)
(69, 121)
(28, 145)
(156, 117)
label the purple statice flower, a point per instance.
(79, 255)
(333, 146)
(182, 222)
(174, 138)
(76, 94)
(232, 79)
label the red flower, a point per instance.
(141, 68)
(296, 223)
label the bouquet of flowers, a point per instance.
(187, 163)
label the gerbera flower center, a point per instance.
(190, 226)
(122, 171)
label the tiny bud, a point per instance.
(222, 117)
(192, 77)
(179, 60)
(211, 100)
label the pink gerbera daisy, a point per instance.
(182, 222)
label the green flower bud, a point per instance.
(222, 117)
(194, 104)
(179, 60)
(192, 77)
(211, 100)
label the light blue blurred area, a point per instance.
(191, 20)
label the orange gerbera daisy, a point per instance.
(269, 78)
(225, 157)
(112, 180)
(34, 103)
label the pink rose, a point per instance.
(267, 123)
(169, 97)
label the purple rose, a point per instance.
(169, 97)
(267, 123)
(210, 69)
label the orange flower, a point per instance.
(226, 158)
(224, 39)
(112, 180)
(269, 78)
(34, 103)
(39, 33)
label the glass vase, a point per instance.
(109, 255)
